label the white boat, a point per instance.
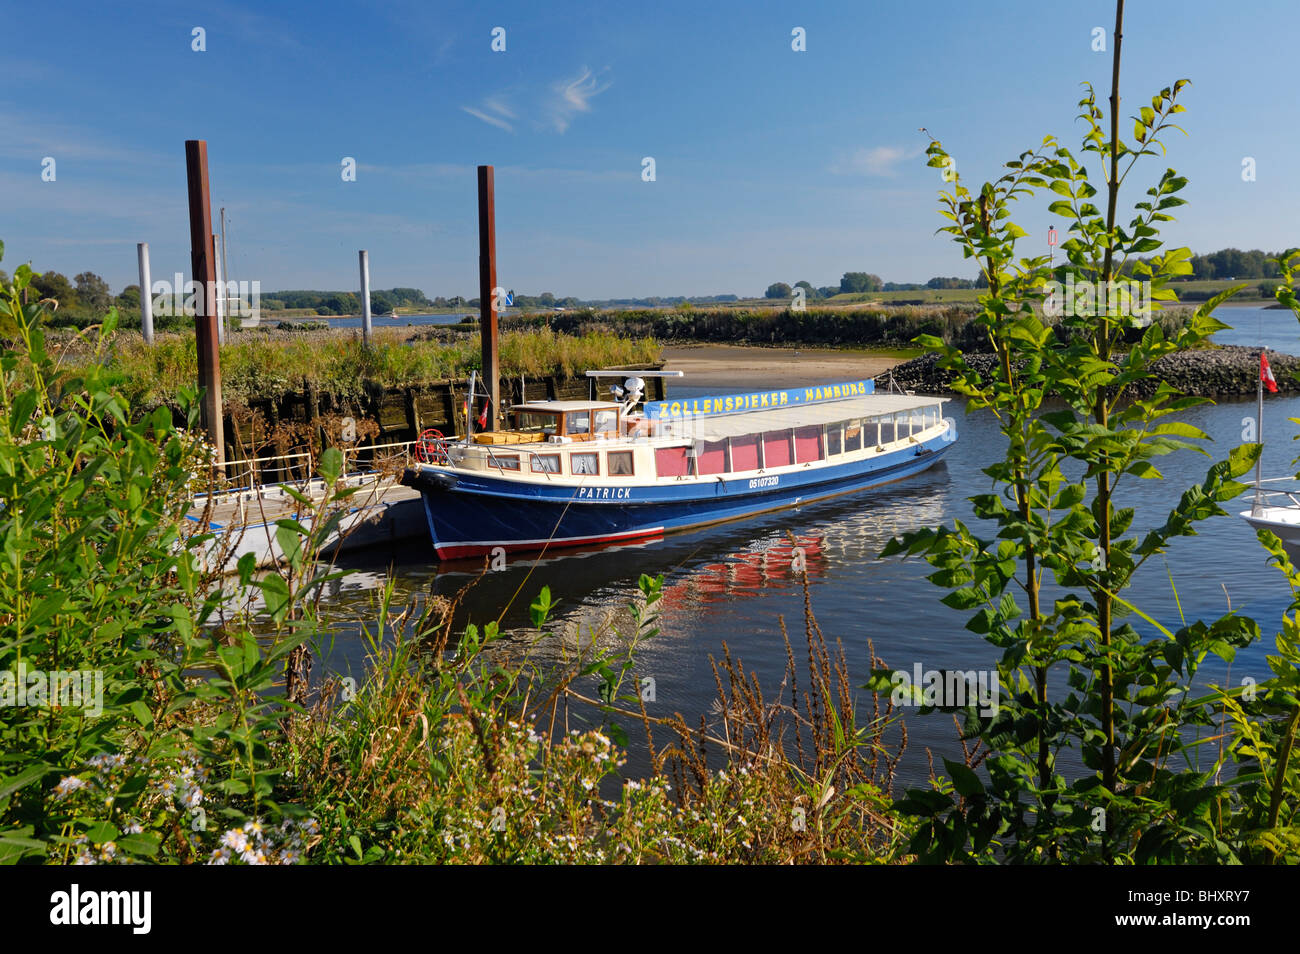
(243, 520)
(1274, 510)
(1278, 511)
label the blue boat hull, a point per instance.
(470, 514)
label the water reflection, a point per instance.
(703, 569)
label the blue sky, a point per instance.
(771, 165)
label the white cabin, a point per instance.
(572, 441)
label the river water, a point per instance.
(734, 583)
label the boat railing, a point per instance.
(395, 454)
(253, 473)
(1261, 498)
(488, 452)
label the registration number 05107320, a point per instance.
(756, 482)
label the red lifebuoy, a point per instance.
(431, 447)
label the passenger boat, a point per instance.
(581, 473)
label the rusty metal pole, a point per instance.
(204, 271)
(487, 283)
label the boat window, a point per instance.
(504, 461)
(852, 436)
(619, 463)
(607, 422)
(577, 422)
(546, 463)
(834, 442)
(537, 422)
(584, 464)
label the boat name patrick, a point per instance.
(604, 493)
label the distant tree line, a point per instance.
(854, 283)
(1227, 264)
(85, 298)
(349, 303)
(82, 300)
(548, 301)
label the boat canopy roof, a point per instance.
(712, 427)
(633, 373)
(552, 407)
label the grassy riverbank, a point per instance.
(256, 364)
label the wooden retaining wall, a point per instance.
(289, 422)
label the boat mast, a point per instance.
(1259, 428)
(225, 275)
(469, 408)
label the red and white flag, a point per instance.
(1266, 374)
(482, 418)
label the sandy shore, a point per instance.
(719, 366)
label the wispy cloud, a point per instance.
(494, 112)
(554, 109)
(878, 161)
(253, 27)
(419, 170)
(557, 175)
(570, 97)
(98, 198)
(31, 136)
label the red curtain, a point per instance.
(671, 462)
(713, 458)
(744, 452)
(808, 443)
(776, 448)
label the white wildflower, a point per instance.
(68, 785)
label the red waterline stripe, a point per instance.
(478, 548)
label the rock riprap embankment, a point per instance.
(1206, 372)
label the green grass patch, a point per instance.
(256, 365)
